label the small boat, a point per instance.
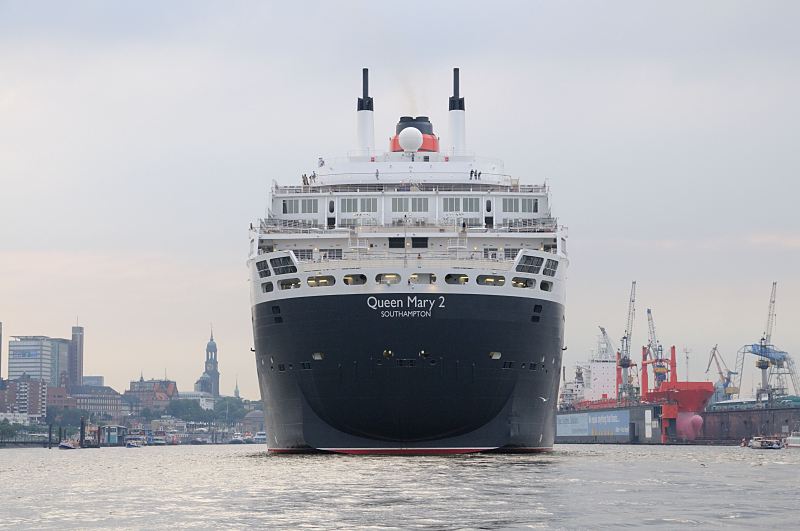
(132, 444)
(158, 441)
(793, 440)
(198, 440)
(68, 445)
(237, 438)
(260, 438)
(766, 443)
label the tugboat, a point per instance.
(409, 301)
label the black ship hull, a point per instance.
(409, 373)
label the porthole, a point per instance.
(488, 205)
(321, 281)
(354, 280)
(289, 283)
(522, 282)
(266, 287)
(491, 280)
(387, 278)
(331, 206)
(456, 278)
(546, 285)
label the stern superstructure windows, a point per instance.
(530, 264)
(369, 204)
(399, 204)
(523, 282)
(397, 243)
(387, 278)
(491, 280)
(321, 281)
(510, 204)
(331, 254)
(283, 265)
(304, 254)
(419, 243)
(289, 283)
(511, 253)
(451, 204)
(550, 268)
(471, 204)
(263, 269)
(348, 204)
(308, 206)
(530, 205)
(456, 278)
(419, 204)
(291, 206)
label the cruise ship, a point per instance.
(408, 301)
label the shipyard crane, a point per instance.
(725, 383)
(626, 389)
(606, 348)
(656, 352)
(774, 364)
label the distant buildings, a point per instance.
(76, 356)
(98, 400)
(154, 395)
(98, 381)
(57, 361)
(59, 397)
(205, 400)
(209, 381)
(26, 396)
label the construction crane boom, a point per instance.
(770, 316)
(626, 339)
(653, 346)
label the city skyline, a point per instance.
(138, 143)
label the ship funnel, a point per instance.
(457, 116)
(366, 119)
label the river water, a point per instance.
(575, 487)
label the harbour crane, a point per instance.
(656, 352)
(774, 364)
(606, 348)
(725, 383)
(626, 389)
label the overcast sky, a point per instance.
(138, 140)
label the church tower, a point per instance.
(209, 381)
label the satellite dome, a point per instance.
(410, 139)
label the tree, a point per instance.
(229, 409)
(7, 431)
(189, 410)
(66, 416)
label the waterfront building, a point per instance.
(151, 394)
(15, 418)
(31, 356)
(253, 422)
(59, 397)
(25, 395)
(97, 400)
(209, 380)
(76, 356)
(94, 380)
(205, 400)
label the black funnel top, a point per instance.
(365, 102)
(420, 122)
(456, 102)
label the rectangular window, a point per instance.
(348, 204)
(291, 206)
(510, 204)
(530, 205)
(309, 206)
(369, 204)
(283, 265)
(397, 243)
(419, 243)
(419, 204)
(490, 253)
(530, 264)
(550, 268)
(399, 204)
(511, 253)
(331, 254)
(473, 222)
(451, 204)
(263, 269)
(304, 254)
(471, 204)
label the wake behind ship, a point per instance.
(409, 301)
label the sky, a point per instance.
(138, 140)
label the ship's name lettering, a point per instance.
(410, 306)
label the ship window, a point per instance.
(550, 268)
(471, 204)
(419, 204)
(263, 269)
(510, 253)
(510, 204)
(490, 253)
(387, 278)
(508, 364)
(530, 264)
(289, 283)
(456, 278)
(397, 243)
(278, 320)
(283, 265)
(276, 310)
(318, 356)
(348, 204)
(419, 243)
(331, 254)
(321, 281)
(399, 204)
(451, 204)
(305, 365)
(533, 366)
(354, 280)
(331, 206)
(535, 318)
(309, 206)
(291, 206)
(546, 285)
(495, 355)
(537, 308)
(491, 280)
(281, 367)
(522, 282)
(422, 278)
(488, 205)
(303, 254)
(266, 287)
(530, 205)
(369, 204)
